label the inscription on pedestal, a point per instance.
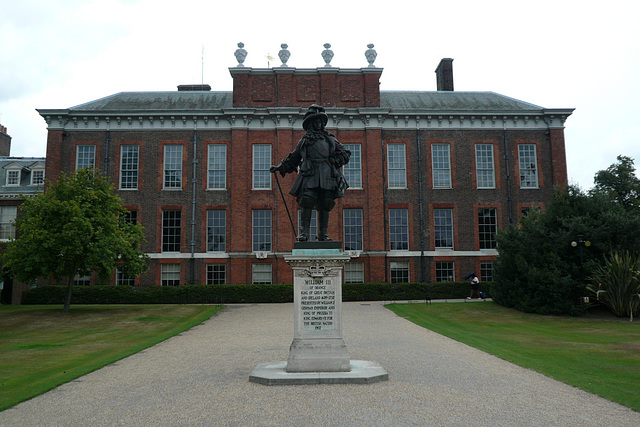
(317, 344)
(318, 304)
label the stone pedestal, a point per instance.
(318, 353)
(317, 344)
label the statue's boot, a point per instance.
(305, 224)
(323, 225)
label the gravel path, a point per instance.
(200, 378)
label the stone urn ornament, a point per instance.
(284, 54)
(240, 54)
(327, 55)
(371, 55)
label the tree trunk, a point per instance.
(67, 302)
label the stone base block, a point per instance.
(318, 245)
(275, 373)
(318, 355)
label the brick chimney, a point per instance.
(196, 88)
(5, 142)
(444, 74)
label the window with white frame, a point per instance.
(81, 280)
(352, 229)
(216, 274)
(37, 176)
(354, 272)
(85, 156)
(441, 163)
(216, 230)
(486, 271)
(313, 226)
(487, 227)
(131, 217)
(173, 166)
(443, 228)
(485, 172)
(262, 230)
(217, 167)
(124, 279)
(129, 158)
(353, 169)
(397, 165)
(13, 177)
(399, 229)
(261, 274)
(528, 165)
(170, 274)
(445, 271)
(7, 222)
(261, 166)
(171, 230)
(399, 271)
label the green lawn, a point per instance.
(598, 355)
(42, 347)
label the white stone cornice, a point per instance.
(291, 118)
(555, 118)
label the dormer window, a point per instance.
(37, 174)
(37, 177)
(13, 177)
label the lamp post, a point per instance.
(581, 244)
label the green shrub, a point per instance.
(234, 294)
(616, 283)
(406, 291)
(45, 295)
(537, 270)
(186, 294)
(542, 290)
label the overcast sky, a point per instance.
(552, 53)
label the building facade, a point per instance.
(433, 175)
(20, 177)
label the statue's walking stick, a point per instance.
(285, 203)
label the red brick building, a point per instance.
(433, 175)
(20, 177)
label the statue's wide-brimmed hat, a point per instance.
(315, 112)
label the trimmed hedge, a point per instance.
(187, 294)
(233, 294)
(405, 291)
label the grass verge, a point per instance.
(601, 356)
(42, 347)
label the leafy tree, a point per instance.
(539, 270)
(619, 182)
(75, 227)
(531, 274)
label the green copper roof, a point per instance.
(451, 101)
(394, 100)
(131, 101)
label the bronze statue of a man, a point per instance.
(319, 157)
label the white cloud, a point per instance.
(554, 54)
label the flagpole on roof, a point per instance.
(269, 59)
